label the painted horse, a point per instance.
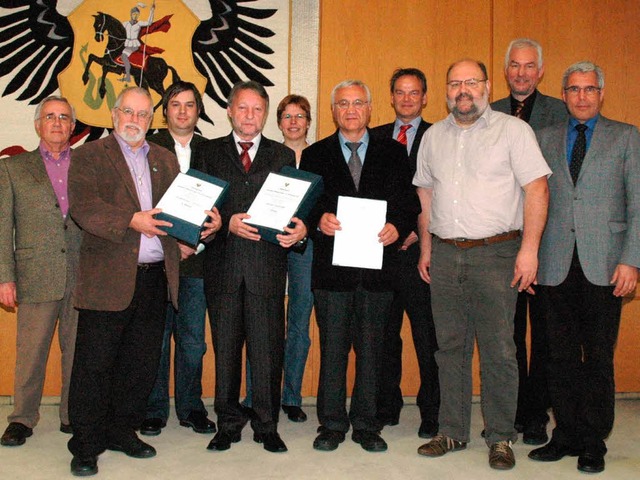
(155, 70)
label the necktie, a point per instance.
(578, 152)
(402, 134)
(244, 156)
(355, 164)
(518, 111)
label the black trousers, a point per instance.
(413, 295)
(237, 318)
(347, 319)
(582, 327)
(533, 392)
(115, 366)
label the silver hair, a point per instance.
(54, 98)
(583, 67)
(140, 90)
(523, 43)
(350, 83)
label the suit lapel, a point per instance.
(596, 146)
(116, 157)
(232, 152)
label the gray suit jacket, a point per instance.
(546, 110)
(45, 242)
(601, 213)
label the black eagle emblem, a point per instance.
(36, 44)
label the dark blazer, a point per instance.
(386, 131)
(45, 242)
(546, 110)
(192, 266)
(601, 213)
(385, 176)
(229, 259)
(103, 199)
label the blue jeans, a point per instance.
(298, 342)
(187, 327)
(472, 299)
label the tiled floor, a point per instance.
(182, 455)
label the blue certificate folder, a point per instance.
(190, 232)
(304, 208)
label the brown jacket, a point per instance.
(103, 199)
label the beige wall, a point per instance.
(369, 43)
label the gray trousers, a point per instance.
(36, 326)
(472, 300)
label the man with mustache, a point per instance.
(523, 69)
(128, 266)
(482, 182)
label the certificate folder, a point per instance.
(185, 201)
(299, 203)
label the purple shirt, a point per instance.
(150, 248)
(58, 172)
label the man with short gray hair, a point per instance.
(523, 70)
(589, 259)
(39, 249)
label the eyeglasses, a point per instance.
(52, 117)
(357, 104)
(590, 90)
(469, 83)
(129, 112)
(297, 116)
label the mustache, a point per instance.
(463, 95)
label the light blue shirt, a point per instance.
(362, 149)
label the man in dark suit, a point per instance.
(127, 267)
(411, 293)
(352, 304)
(39, 250)
(523, 69)
(181, 107)
(589, 259)
(245, 277)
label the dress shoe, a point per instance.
(428, 429)
(552, 452)
(84, 467)
(328, 439)
(370, 441)
(535, 433)
(271, 441)
(152, 427)
(66, 428)
(294, 413)
(591, 463)
(223, 440)
(439, 445)
(388, 420)
(501, 456)
(199, 422)
(15, 434)
(133, 447)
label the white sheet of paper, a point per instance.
(277, 201)
(188, 197)
(357, 245)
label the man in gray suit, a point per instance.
(523, 70)
(39, 245)
(589, 258)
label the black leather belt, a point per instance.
(151, 266)
(480, 242)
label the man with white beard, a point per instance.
(127, 268)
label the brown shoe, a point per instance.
(501, 456)
(439, 445)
